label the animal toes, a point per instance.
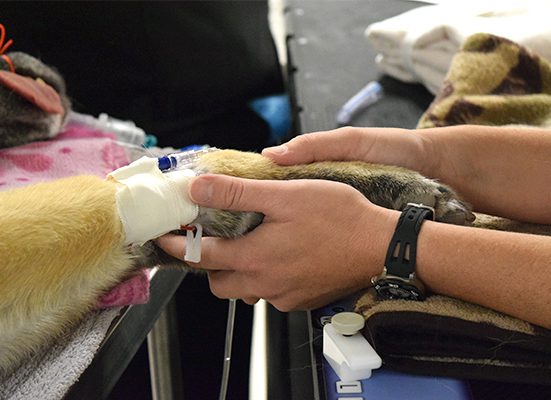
(450, 209)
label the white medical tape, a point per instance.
(151, 203)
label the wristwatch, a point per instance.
(398, 280)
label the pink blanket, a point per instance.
(77, 150)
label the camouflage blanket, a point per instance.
(491, 81)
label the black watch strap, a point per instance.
(402, 251)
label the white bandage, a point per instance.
(151, 203)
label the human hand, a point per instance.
(319, 241)
(391, 146)
(498, 170)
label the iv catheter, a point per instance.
(184, 160)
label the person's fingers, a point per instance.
(343, 144)
(229, 285)
(339, 144)
(251, 300)
(224, 282)
(216, 253)
(172, 244)
(230, 193)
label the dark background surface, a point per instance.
(183, 71)
(330, 60)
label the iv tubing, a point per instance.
(227, 349)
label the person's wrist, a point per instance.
(388, 226)
(392, 146)
(381, 223)
(425, 153)
(399, 280)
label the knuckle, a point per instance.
(284, 302)
(305, 139)
(345, 130)
(283, 306)
(251, 300)
(215, 287)
(234, 195)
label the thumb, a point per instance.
(231, 193)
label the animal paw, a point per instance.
(448, 207)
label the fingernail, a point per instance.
(278, 150)
(200, 190)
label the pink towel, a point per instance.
(75, 151)
(132, 291)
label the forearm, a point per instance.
(507, 272)
(500, 171)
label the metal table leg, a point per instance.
(164, 356)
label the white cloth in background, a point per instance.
(418, 45)
(50, 373)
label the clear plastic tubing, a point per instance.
(227, 349)
(182, 160)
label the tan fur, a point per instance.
(368, 305)
(61, 246)
(387, 186)
(61, 242)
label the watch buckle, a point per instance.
(421, 205)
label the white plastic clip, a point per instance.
(193, 244)
(347, 350)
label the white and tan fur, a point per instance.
(62, 242)
(61, 246)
